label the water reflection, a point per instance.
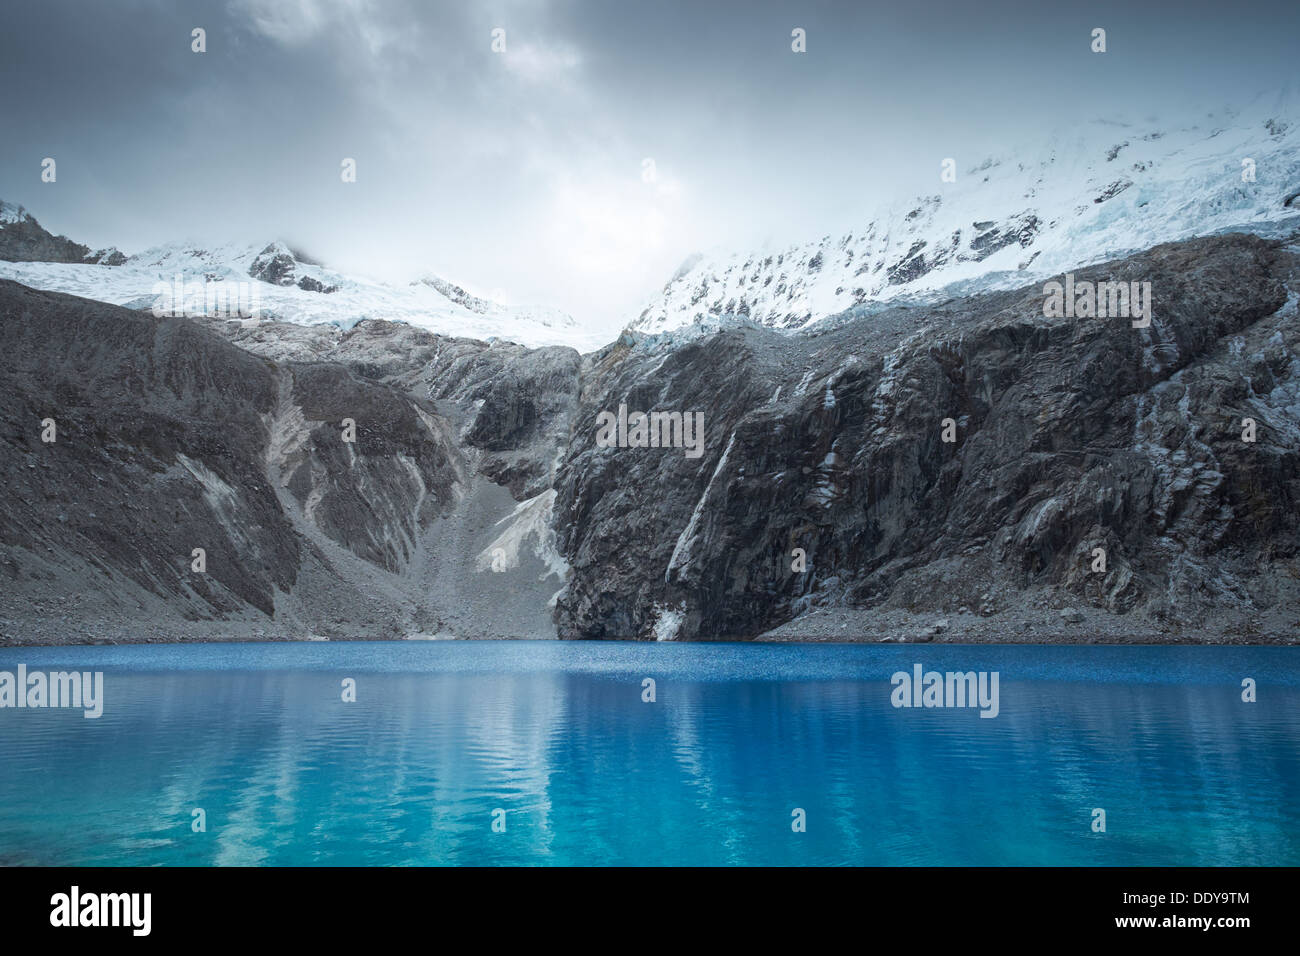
(709, 773)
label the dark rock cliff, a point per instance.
(168, 438)
(1071, 434)
(476, 500)
(23, 239)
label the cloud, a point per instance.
(295, 23)
(526, 169)
(541, 63)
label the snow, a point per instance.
(1094, 191)
(138, 283)
(680, 560)
(669, 621)
(1185, 181)
(12, 213)
(530, 519)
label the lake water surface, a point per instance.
(557, 736)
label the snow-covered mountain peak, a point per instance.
(1085, 194)
(274, 280)
(273, 262)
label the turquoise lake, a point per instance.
(557, 738)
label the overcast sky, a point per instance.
(520, 173)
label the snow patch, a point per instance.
(9, 212)
(669, 621)
(530, 519)
(681, 557)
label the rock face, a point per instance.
(310, 284)
(1093, 467)
(1071, 434)
(274, 264)
(23, 239)
(518, 404)
(513, 408)
(167, 439)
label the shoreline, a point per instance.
(1038, 620)
(1044, 638)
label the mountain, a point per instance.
(553, 326)
(1094, 192)
(267, 280)
(22, 239)
(1069, 434)
(170, 438)
(946, 457)
(477, 500)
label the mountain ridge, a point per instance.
(479, 502)
(281, 284)
(1109, 190)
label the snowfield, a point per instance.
(1101, 191)
(429, 303)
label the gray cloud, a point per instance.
(521, 173)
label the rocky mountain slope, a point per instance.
(478, 502)
(896, 439)
(1070, 434)
(168, 438)
(23, 239)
